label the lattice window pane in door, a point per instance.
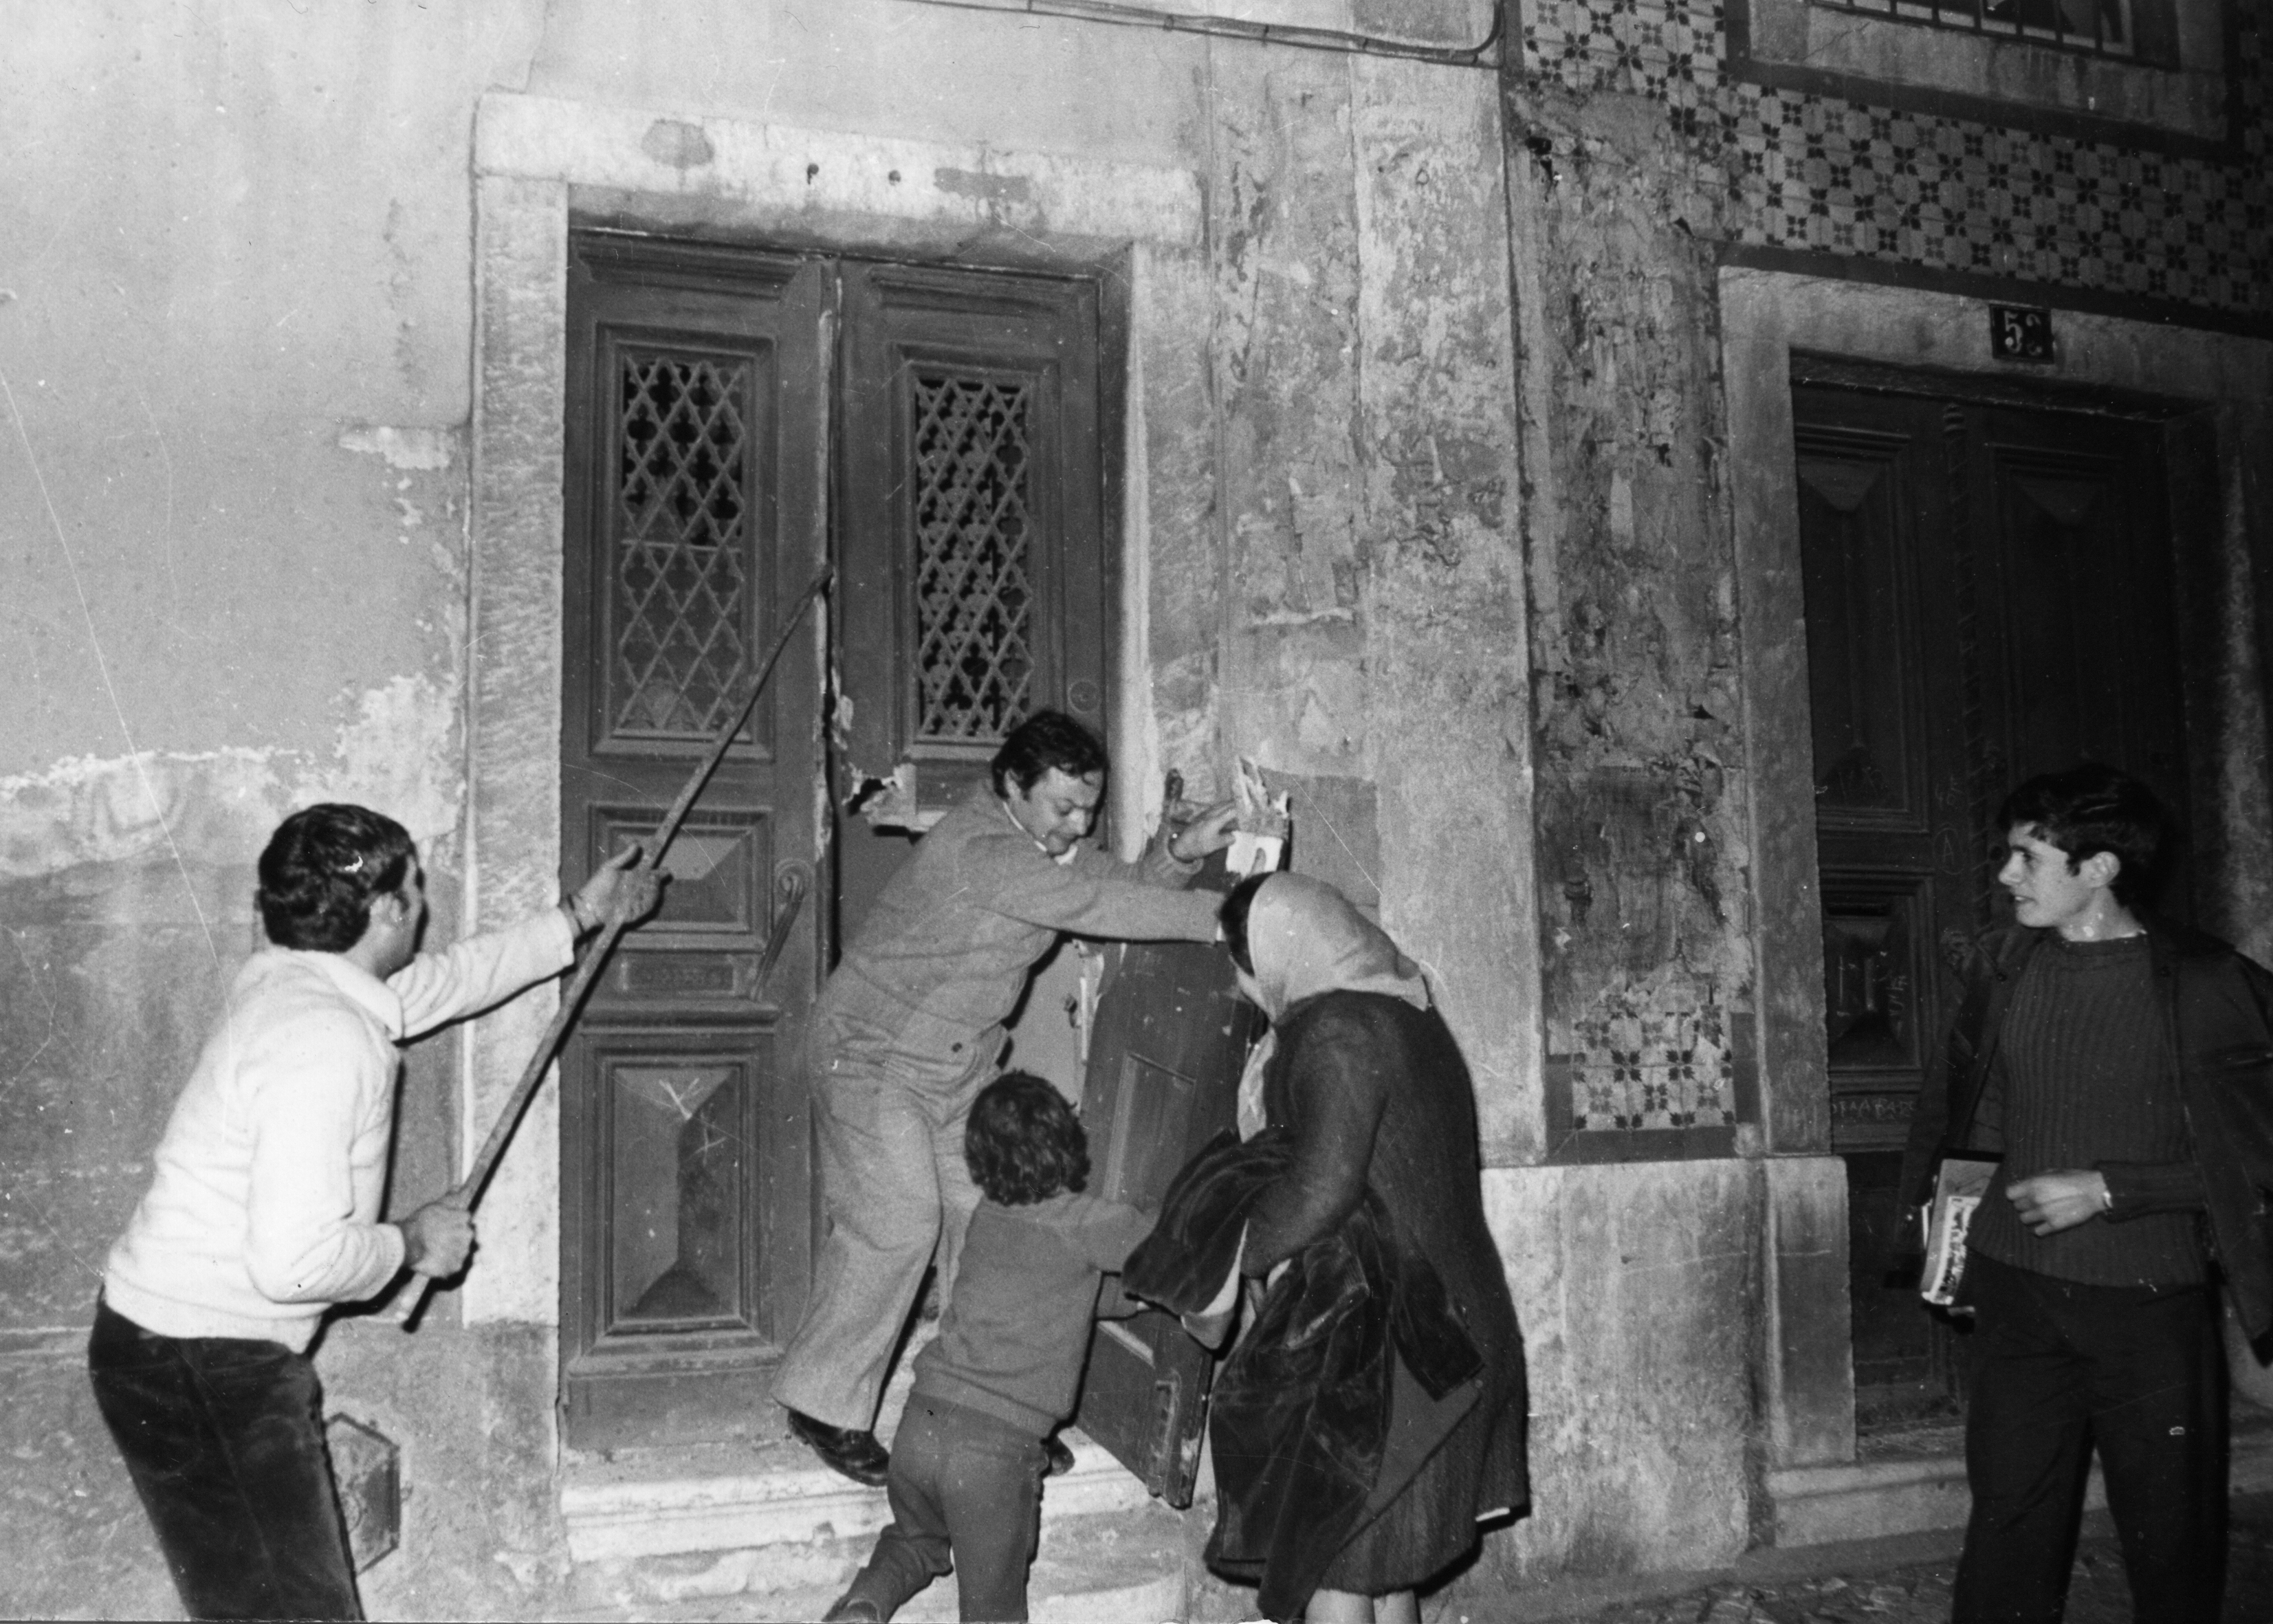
(682, 544)
(973, 504)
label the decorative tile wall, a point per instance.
(1653, 1070)
(1788, 170)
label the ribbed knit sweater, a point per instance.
(2084, 1074)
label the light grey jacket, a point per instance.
(924, 987)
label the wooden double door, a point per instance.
(1989, 596)
(735, 419)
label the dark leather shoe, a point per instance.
(854, 1608)
(856, 1454)
(1059, 1455)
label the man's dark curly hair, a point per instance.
(2091, 808)
(1044, 740)
(1023, 1143)
(320, 870)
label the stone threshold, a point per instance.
(677, 1502)
(1874, 1500)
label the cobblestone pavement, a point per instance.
(1919, 1593)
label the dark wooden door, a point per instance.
(974, 586)
(693, 514)
(1989, 597)
(1171, 1035)
(976, 580)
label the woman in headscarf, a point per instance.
(1363, 1076)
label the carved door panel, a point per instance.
(2074, 511)
(1896, 817)
(1170, 1037)
(692, 524)
(975, 586)
(1966, 568)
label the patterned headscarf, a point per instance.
(1306, 938)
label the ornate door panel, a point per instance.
(971, 587)
(1164, 1056)
(975, 586)
(1988, 597)
(1896, 838)
(1895, 820)
(2075, 510)
(692, 522)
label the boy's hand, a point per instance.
(2050, 1202)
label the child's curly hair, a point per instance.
(1023, 1143)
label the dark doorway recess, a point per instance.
(734, 417)
(1991, 591)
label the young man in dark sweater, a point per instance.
(2122, 1069)
(965, 1480)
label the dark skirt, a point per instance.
(1431, 1523)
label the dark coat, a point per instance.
(2217, 1011)
(1375, 1407)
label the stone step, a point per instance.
(673, 1527)
(1119, 1567)
(1916, 1493)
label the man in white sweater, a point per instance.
(264, 1210)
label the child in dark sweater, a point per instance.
(967, 1462)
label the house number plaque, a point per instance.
(2020, 333)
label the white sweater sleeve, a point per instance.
(482, 970)
(307, 1085)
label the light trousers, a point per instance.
(896, 1193)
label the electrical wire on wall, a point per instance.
(1485, 52)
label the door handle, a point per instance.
(792, 883)
(1168, 1416)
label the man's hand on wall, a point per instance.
(1210, 831)
(2060, 1200)
(438, 1238)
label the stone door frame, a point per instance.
(540, 163)
(2224, 534)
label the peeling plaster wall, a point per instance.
(1643, 844)
(1371, 619)
(241, 403)
(233, 398)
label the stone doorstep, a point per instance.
(621, 1513)
(1872, 1499)
(1117, 1567)
(1114, 1568)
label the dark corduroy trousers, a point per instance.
(966, 1492)
(2059, 1369)
(222, 1439)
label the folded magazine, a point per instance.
(1959, 1185)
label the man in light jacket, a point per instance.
(264, 1209)
(909, 1029)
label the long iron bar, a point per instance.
(467, 1191)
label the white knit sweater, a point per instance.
(264, 1208)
